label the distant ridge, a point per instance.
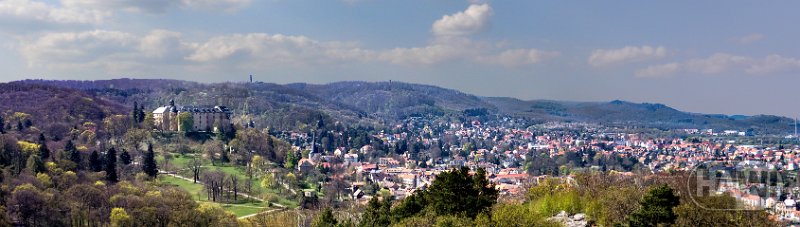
(374, 102)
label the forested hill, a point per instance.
(371, 103)
(393, 99)
(54, 111)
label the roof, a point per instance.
(191, 109)
(160, 110)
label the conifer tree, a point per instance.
(44, 152)
(125, 157)
(111, 165)
(150, 167)
(74, 154)
(135, 113)
(95, 164)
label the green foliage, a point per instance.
(569, 201)
(185, 122)
(718, 211)
(95, 164)
(291, 160)
(378, 213)
(408, 207)
(325, 219)
(457, 192)
(125, 157)
(44, 152)
(111, 165)
(613, 205)
(120, 218)
(149, 167)
(35, 164)
(656, 208)
(453, 221)
(513, 215)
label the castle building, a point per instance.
(204, 119)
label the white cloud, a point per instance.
(603, 57)
(468, 22)
(516, 57)
(40, 11)
(658, 70)
(750, 38)
(426, 55)
(116, 51)
(266, 49)
(158, 6)
(719, 63)
(773, 64)
(223, 5)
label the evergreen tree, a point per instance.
(95, 164)
(377, 213)
(35, 165)
(456, 192)
(656, 208)
(149, 167)
(74, 154)
(44, 152)
(111, 165)
(125, 157)
(135, 113)
(141, 114)
(325, 219)
(2, 125)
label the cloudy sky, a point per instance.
(740, 57)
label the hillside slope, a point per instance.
(370, 103)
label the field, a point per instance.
(178, 163)
(242, 207)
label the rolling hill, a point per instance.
(371, 103)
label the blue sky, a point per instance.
(736, 57)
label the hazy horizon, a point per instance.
(737, 57)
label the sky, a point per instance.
(729, 57)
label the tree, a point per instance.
(185, 122)
(456, 192)
(195, 164)
(325, 219)
(35, 164)
(291, 160)
(135, 113)
(268, 181)
(377, 213)
(719, 210)
(28, 203)
(74, 154)
(44, 152)
(148, 121)
(95, 164)
(149, 167)
(125, 157)
(111, 165)
(656, 208)
(120, 218)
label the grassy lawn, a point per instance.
(240, 211)
(179, 162)
(242, 207)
